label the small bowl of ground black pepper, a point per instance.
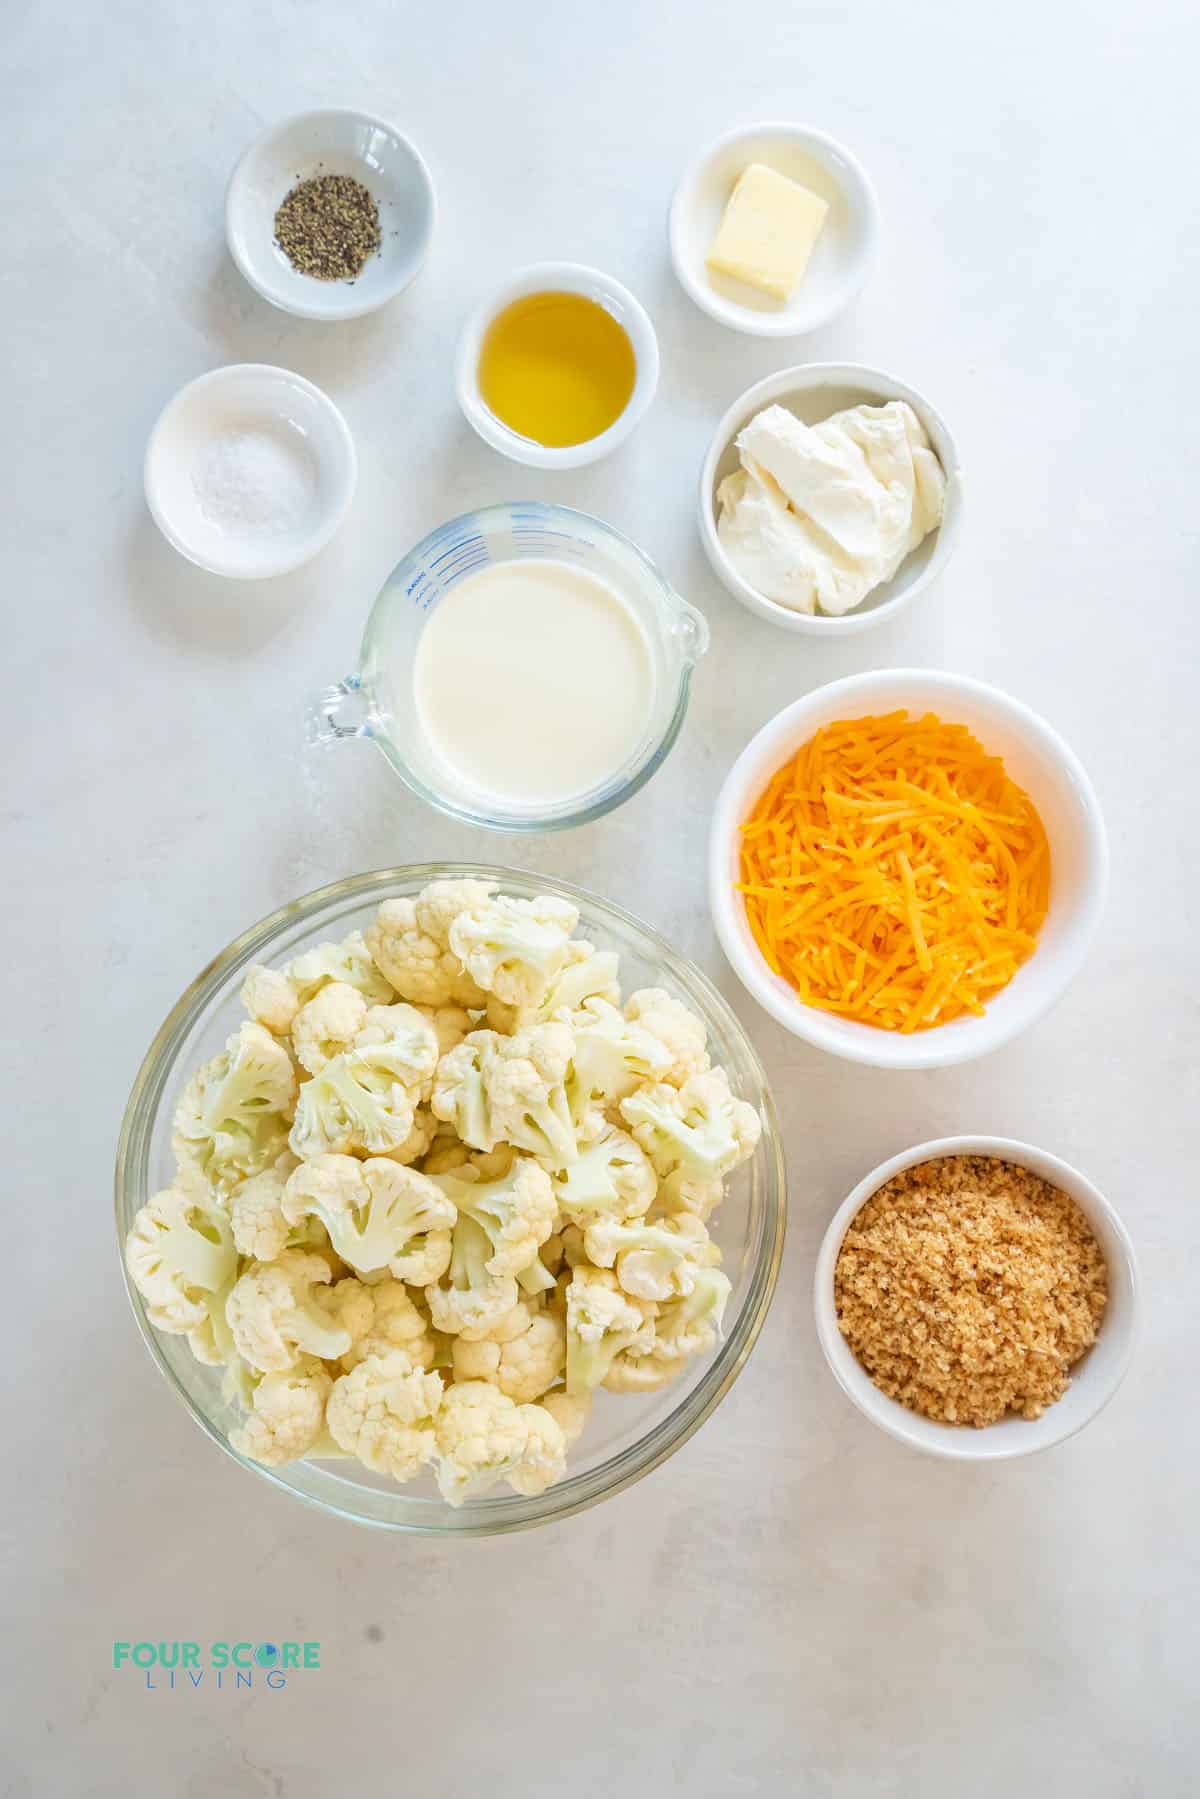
(330, 214)
(977, 1298)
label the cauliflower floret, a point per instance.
(545, 1459)
(514, 948)
(474, 1301)
(327, 1025)
(383, 1412)
(409, 1030)
(685, 1327)
(601, 1322)
(287, 1414)
(518, 1211)
(232, 1118)
(569, 1411)
(349, 962)
(442, 902)
(211, 1342)
(586, 973)
(674, 1026)
(274, 1315)
(612, 1057)
(419, 1139)
(691, 1324)
(699, 1128)
(524, 1366)
(450, 1025)
(270, 998)
(678, 1195)
(652, 1261)
(260, 1229)
(366, 1098)
(351, 1305)
(643, 1373)
(535, 1278)
(396, 1324)
(379, 1214)
(420, 968)
(510, 1090)
(179, 1252)
(483, 1436)
(611, 1179)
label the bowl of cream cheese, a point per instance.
(831, 495)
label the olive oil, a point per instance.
(556, 368)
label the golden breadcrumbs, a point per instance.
(969, 1288)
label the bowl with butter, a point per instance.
(773, 229)
(830, 497)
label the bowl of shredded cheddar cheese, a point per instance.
(906, 867)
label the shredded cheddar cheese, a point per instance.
(893, 873)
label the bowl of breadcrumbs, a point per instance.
(977, 1298)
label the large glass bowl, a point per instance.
(627, 1435)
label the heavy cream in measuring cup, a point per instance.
(534, 681)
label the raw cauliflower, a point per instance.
(366, 1098)
(441, 1187)
(512, 1090)
(517, 1211)
(524, 1366)
(602, 1321)
(483, 1436)
(586, 973)
(274, 1315)
(421, 968)
(472, 1299)
(612, 1177)
(698, 1130)
(381, 1217)
(383, 1412)
(613, 1056)
(232, 1118)
(396, 1323)
(287, 1414)
(327, 1025)
(652, 1260)
(514, 948)
(260, 1229)
(179, 1253)
(679, 1030)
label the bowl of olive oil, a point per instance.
(557, 367)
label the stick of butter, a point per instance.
(767, 231)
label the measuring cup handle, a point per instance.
(337, 712)
(691, 628)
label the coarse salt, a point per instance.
(257, 482)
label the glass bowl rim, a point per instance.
(609, 798)
(578, 1492)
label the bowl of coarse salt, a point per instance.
(249, 471)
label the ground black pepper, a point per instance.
(328, 226)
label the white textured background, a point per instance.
(794, 1604)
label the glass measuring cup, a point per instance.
(377, 702)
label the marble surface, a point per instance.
(794, 1604)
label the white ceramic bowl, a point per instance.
(1095, 1379)
(248, 397)
(1035, 756)
(814, 392)
(332, 142)
(843, 253)
(557, 277)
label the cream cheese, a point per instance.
(819, 515)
